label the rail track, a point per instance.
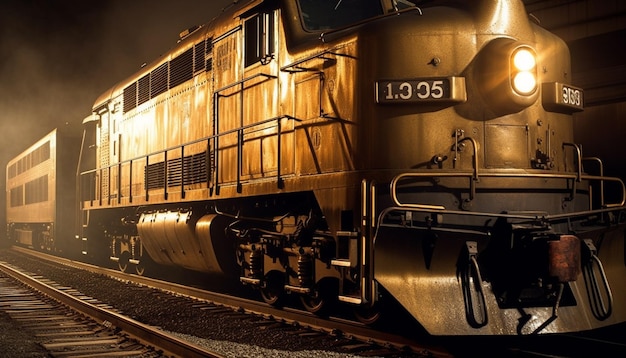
(73, 325)
(347, 336)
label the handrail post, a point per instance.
(165, 173)
(278, 154)
(119, 183)
(145, 181)
(240, 138)
(216, 140)
(130, 182)
(182, 172)
(109, 183)
(207, 163)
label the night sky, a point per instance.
(58, 56)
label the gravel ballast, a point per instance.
(231, 337)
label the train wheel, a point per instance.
(322, 300)
(122, 263)
(313, 304)
(367, 315)
(140, 268)
(273, 291)
(144, 262)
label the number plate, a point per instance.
(559, 97)
(421, 90)
(572, 96)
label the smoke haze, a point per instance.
(57, 57)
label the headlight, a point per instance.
(524, 83)
(523, 71)
(505, 73)
(524, 59)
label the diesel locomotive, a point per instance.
(358, 152)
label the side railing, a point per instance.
(573, 178)
(161, 172)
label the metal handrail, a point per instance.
(145, 158)
(471, 175)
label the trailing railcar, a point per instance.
(41, 193)
(362, 151)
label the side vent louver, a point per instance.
(181, 68)
(158, 79)
(170, 74)
(193, 171)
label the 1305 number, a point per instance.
(413, 90)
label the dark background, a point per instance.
(596, 34)
(58, 56)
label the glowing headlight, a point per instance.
(524, 82)
(523, 71)
(524, 60)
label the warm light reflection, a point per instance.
(524, 63)
(524, 60)
(500, 20)
(524, 82)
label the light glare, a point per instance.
(524, 60)
(524, 82)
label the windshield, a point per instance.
(332, 14)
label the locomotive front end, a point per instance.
(485, 216)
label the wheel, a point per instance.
(122, 263)
(323, 298)
(367, 315)
(313, 304)
(140, 268)
(273, 291)
(145, 264)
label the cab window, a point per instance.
(259, 38)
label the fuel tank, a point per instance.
(180, 238)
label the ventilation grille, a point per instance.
(181, 68)
(130, 97)
(158, 81)
(170, 74)
(194, 168)
(143, 89)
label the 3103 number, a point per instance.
(572, 96)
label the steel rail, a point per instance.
(347, 328)
(144, 333)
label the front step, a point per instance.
(355, 300)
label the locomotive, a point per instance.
(359, 152)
